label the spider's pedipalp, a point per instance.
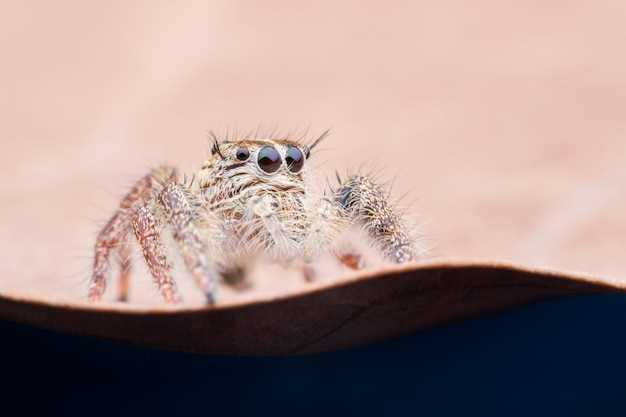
(265, 208)
(325, 223)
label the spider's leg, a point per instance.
(124, 254)
(235, 276)
(352, 259)
(366, 203)
(308, 272)
(192, 232)
(114, 234)
(108, 239)
(146, 227)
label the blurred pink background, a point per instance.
(506, 121)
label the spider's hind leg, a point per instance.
(367, 204)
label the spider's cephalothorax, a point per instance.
(250, 196)
(259, 190)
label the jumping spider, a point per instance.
(251, 195)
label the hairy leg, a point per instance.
(124, 254)
(367, 204)
(117, 230)
(352, 260)
(114, 234)
(236, 277)
(192, 233)
(108, 239)
(146, 227)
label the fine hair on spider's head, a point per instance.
(309, 147)
(306, 145)
(293, 150)
(276, 160)
(215, 149)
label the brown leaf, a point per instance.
(373, 306)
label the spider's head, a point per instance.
(272, 164)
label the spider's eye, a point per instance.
(242, 154)
(269, 159)
(294, 159)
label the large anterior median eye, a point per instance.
(294, 159)
(269, 159)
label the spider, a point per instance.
(251, 195)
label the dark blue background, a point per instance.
(560, 358)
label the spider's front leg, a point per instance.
(195, 232)
(367, 204)
(147, 223)
(113, 238)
